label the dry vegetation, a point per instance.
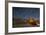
(29, 22)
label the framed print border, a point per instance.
(6, 16)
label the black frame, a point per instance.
(6, 16)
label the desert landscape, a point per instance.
(26, 17)
(29, 22)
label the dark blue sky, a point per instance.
(26, 12)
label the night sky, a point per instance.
(26, 12)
